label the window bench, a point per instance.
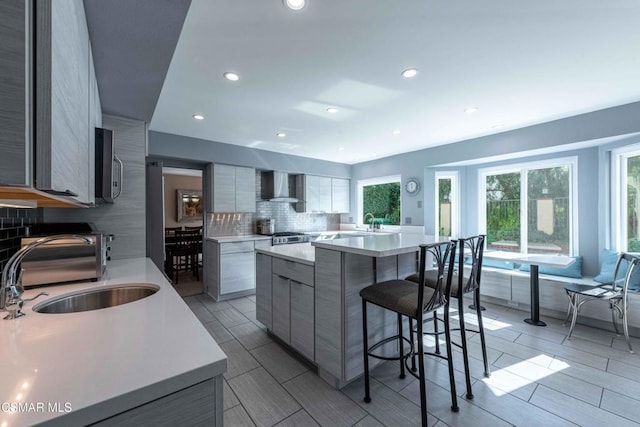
(511, 288)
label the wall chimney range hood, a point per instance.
(275, 187)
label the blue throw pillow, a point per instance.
(609, 259)
(574, 270)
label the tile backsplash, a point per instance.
(15, 224)
(283, 214)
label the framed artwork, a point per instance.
(189, 205)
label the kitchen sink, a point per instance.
(96, 299)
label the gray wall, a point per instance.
(195, 149)
(126, 217)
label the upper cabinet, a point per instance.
(321, 194)
(56, 101)
(234, 189)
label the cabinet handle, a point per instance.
(118, 184)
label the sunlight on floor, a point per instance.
(521, 374)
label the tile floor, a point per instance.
(539, 378)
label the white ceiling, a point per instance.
(520, 63)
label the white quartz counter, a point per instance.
(247, 237)
(102, 362)
(298, 252)
(376, 245)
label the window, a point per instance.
(530, 207)
(625, 198)
(381, 198)
(446, 215)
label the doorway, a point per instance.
(175, 219)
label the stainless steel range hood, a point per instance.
(275, 187)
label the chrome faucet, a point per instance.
(371, 225)
(11, 288)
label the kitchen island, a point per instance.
(341, 268)
(148, 362)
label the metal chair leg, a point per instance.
(401, 345)
(413, 344)
(435, 329)
(365, 350)
(476, 296)
(463, 344)
(574, 317)
(625, 327)
(452, 380)
(422, 379)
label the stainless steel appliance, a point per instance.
(266, 226)
(288, 237)
(275, 187)
(68, 260)
(107, 187)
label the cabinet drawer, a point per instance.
(299, 272)
(234, 247)
(261, 244)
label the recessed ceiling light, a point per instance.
(294, 4)
(470, 110)
(231, 76)
(341, 148)
(332, 110)
(281, 134)
(396, 132)
(409, 72)
(198, 116)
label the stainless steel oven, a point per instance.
(288, 237)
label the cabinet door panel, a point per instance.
(339, 195)
(324, 194)
(237, 272)
(245, 189)
(13, 107)
(294, 270)
(281, 304)
(302, 319)
(233, 247)
(263, 290)
(224, 188)
(312, 193)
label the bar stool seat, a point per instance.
(406, 299)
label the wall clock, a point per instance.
(412, 186)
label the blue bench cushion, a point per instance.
(495, 263)
(574, 270)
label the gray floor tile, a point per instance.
(386, 406)
(250, 335)
(278, 362)
(621, 405)
(299, 419)
(237, 417)
(243, 305)
(368, 421)
(239, 360)
(202, 313)
(230, 399)
(264, 399)
(230, 317)
(325, 404)
(218, 332)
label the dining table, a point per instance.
(534, 261)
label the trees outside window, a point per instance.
(625, 198)
(383, 201)
(529, 209)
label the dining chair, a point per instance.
(406, 299)
(613, 293)
(469, 252)
(185, 253)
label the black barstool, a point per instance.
(406, 299)
(470, 252)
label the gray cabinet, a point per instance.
(339, 195)
(263, 290)
(15, 83)
(230, 268)
(234, 189)
(293, 319)
(52, 98)
(321, 194)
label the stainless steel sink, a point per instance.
(95, 299)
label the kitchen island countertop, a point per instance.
(95, 364)
(377, 245)
(298, 252)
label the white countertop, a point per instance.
(103, 362)
(377, 245)
(298, 252)
(227, 239)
